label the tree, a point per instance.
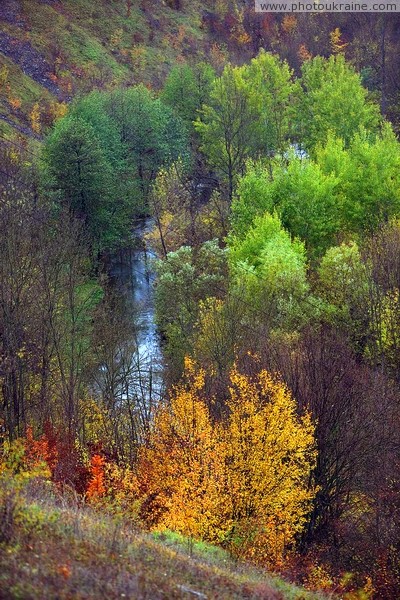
(227, 125)
(271, 89)
(186, 89)
(243, 481)
(344, 282)
(179, 469)
(184, 278)
(331, 99)
(80, 175)
(305, 198)
(151, 133)
(270, 454)
(253, 197)
(270, 269)
(368, 178)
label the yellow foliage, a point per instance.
(303, 53)
(289, 23)
(181, 465)
(58, 110)
(34, 117)
(95, 420)
(338, 46)
(15, 103)
(270, 452)
(4, 73)
(242, 482)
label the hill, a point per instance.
(51, 50)
(51, 548)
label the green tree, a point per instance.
(331, 99)
(300, 192)
(369, 178)
(227, 126)
(186, 277)
(151, 133)
(253, 197)
(271, 270)
(77, 170)
(271, 88)
(345, 285)
(187, 88)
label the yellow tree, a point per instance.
(179, 470)
(269, 453)
(243, 482)
(338, 46)
(34, 117)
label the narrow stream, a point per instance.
(133, 274)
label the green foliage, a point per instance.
(184, 278)
(300, 193)
(306, 200)
(151, 134)
(331, 99)
(101, 159)
(344, 284)
(247, 115)
(271, 88)
(369, 178)
(253, 197)
(187, 88)
(227, 125)
(342, 274)
(78, 172)
(342, 191)
(271, 268)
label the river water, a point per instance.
(133, 274)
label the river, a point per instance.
(133, 274)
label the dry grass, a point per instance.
(59, 549)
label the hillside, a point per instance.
(51, 50)
(58, 549)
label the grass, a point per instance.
(83, 34)
(52, 548)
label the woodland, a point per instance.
(263, 156)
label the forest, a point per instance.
(253, 189)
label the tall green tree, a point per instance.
(300, 192)
(269, 269)
(271, 88)
(78, 173)
(227, 126)
(151, 133)
(187, 88)
(369, 175)
(331, 98)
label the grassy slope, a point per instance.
(97, 44)
(64, 551)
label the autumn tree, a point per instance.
(243, 481)
(270, 453)
(180, 467)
